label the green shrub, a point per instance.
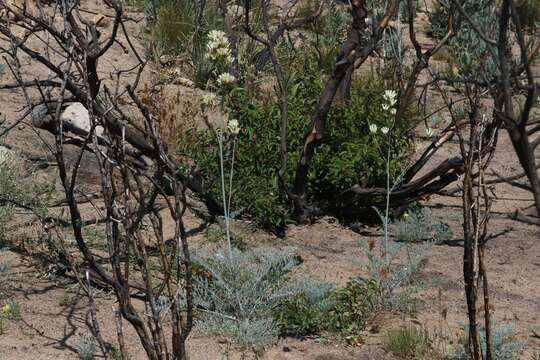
(408, 341)
(349, 155)
(343, 311)
(251, 298)
(354, 305)
(417, 226)
(505, 345)
(306, 313)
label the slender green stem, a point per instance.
(231, 176)
(224, 197)
(387, 210)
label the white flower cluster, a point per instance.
(373, 128)
(390, 98)
(225, 80)
(218, 49)
(219, 52)
(233, 126)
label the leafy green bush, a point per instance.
(416, 226)
(307, 312)
(504, 342)
(350, 154)
(408, 341)
(343, 311)
(354, 305)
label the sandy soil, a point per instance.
(55, 315)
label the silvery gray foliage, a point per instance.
(5, 266)
(420, 226)
(505, 345)
(315, 292)
(240, 292)
(404, 9)
(395, 273)
(86, 347)
(339, 21)
(471, 50)
(376, 9)
(162, 305)
(475, 59)
(19, 186)
(10, 173)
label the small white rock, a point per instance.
(77, 115)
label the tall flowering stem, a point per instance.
(233, 128)
(223, 192)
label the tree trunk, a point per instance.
(525, 153)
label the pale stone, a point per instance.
(77, 115)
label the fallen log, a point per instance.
(142, 152)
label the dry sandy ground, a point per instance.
(55, 317)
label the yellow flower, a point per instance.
(5, 310)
